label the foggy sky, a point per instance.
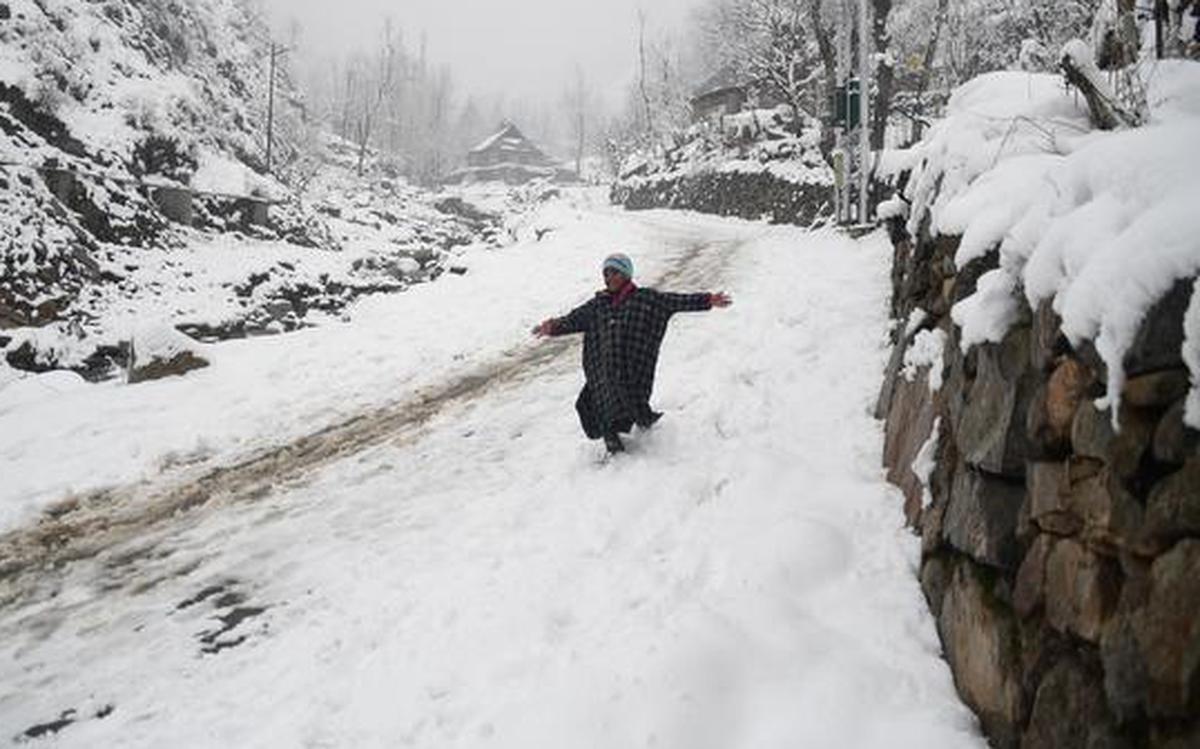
(524, 48)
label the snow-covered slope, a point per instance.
(123, 91)
(103, 103)
(261, 391)
(117, 73)
(113, 96)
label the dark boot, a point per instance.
(647, 418)
(613, 443)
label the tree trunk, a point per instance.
(1105, 113)
(824, 36)
(579, 147)
(364, 137)
(642, 73)
(1119, 43)
(885, 73)
(939, 23)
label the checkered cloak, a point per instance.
(620, 352)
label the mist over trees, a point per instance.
(387, 97)
(785, 52)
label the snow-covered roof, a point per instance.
(507, 138)
(722, 80)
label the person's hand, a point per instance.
(720, 299)
(544, 328)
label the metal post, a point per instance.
(270, 108)
(864, 92)
(1160, 19)
(271, 104)
(843, 139)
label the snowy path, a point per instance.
(741, 579)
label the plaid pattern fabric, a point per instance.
(620, 349)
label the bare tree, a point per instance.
(647, 119)
(885, 72)
(1115, 35)
(370, 81)
(577, 100)
(390, 100)
(769, 43)
(926, 69)
(823, 36)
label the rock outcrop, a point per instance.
(1061, 551)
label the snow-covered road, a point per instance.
(478, 577)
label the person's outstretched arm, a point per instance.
(575, 321)
(693, 302)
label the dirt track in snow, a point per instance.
(81, 527)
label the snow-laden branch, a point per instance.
(1079, 66)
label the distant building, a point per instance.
(508, 156)
(722, 94)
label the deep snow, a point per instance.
(742, 578)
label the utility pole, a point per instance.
(1160, 19)
(852, 165)
(842, 147)
(276, 51)
(864, 132)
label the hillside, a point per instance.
(133, 191)
(116, 93)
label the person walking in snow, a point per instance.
(623, 327)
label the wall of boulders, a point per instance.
(1060, 555)
(748, 195)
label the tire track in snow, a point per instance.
(85, 526)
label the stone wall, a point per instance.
(748, 195)
(1061, 557)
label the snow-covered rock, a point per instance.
(158, 350)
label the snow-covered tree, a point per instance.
(387, 99)
(937, 45)
(775, 46)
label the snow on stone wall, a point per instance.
(751, 167)
(1061, 555)
(1100, 224)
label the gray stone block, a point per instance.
(981, 520)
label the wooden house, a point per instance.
(722, 94)
(508, 156)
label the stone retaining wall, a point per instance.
(748, 195)
(1061, 557)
